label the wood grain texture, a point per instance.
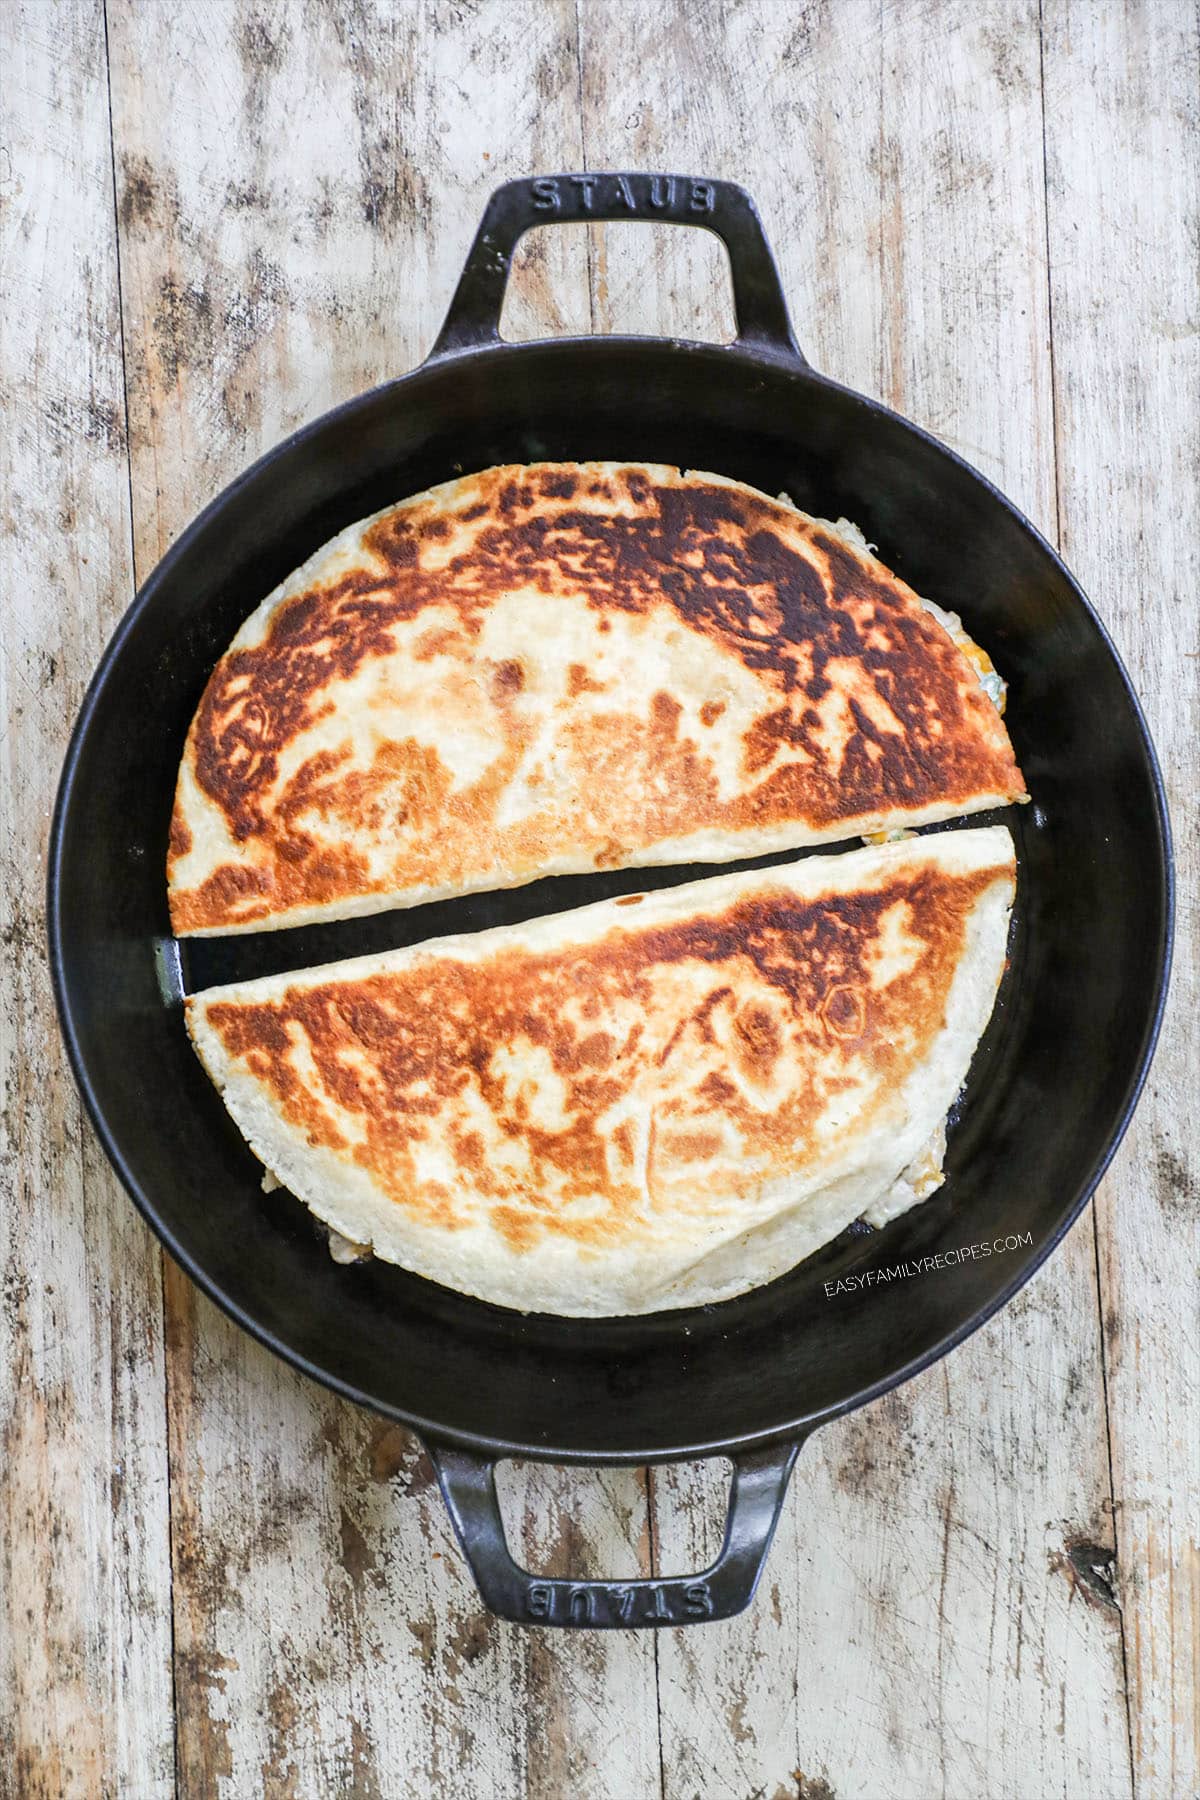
(922, 1628)
(1123, 153)
(983, 1585)
(328, 1636)
(85, 1675)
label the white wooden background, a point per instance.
(219, 218)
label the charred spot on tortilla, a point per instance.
(562, 667)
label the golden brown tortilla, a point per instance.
(561, 667)
(653, 1102)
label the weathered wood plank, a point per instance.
(1123, 152)
(85, 1624)
(919, 1631)
(298, 187)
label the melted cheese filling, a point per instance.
(993, 685)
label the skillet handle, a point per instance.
(718, 206)
(760, 1479)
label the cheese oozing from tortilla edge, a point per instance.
(749, 1166)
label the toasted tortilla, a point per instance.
(549, 669)
(652, 1102)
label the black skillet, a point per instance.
(1052, 1086)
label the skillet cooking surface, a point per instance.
(1051, 1086)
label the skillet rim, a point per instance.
(749, 357)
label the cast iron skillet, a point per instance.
(1053, 1083)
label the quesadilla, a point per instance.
(560, 667)
(652, 1102)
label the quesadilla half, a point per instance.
(559, 667)
(653, 1102)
